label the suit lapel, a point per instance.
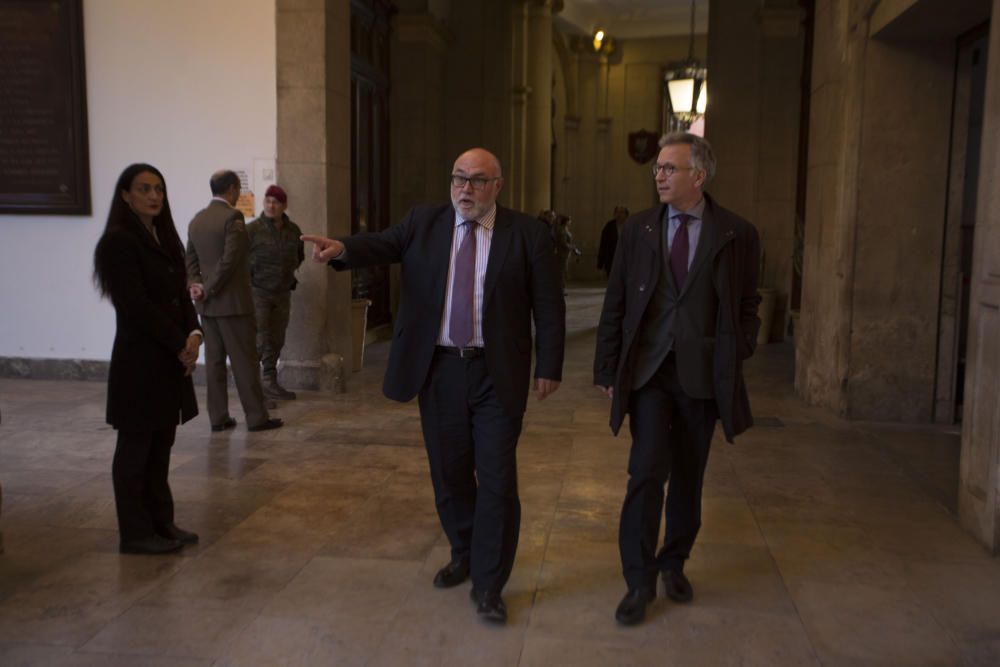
(706, 246)
(715, 233)
(499, 244)
(651, 231)
(146, 238)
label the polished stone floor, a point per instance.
(824, 542)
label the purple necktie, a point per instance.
(679, 251)
(463, 288)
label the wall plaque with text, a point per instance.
(44, 161)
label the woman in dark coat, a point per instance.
(139, 266)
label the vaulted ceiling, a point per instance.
(624, 19)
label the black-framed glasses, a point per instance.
(668, 169)
(478, 182)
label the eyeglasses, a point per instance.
(478, 182)
(668, 169)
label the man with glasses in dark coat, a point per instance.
(679, 318)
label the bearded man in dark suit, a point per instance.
(679, 318)
(474, 277)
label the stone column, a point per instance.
(978, 497)
(538, 151)
(755, 53)
(419, 60)
(313, 164)
(587, 171)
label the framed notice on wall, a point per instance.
(44, 161)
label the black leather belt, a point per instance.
(463, 352)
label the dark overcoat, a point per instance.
(521, 287)
(734, 262)
(147, 388)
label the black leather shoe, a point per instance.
(491, 608)
(452, 574)
(632, 609)
(149, 545)
(228, 423)
(475, 596)
(267, 426)
(172, 532)
(677, 586)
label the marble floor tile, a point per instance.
(304, 642)
(169, 631)
(39, 655)
(363, 589)
(861, 624)
(822, 541)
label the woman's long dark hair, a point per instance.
(122, 218)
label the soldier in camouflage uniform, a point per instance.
(275, 254)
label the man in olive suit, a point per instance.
(218, 268)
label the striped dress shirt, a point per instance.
(484, 237)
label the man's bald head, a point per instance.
(479, 177)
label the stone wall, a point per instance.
(314, 163)
(877, 181)
(978, 498)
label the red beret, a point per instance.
(276, 192)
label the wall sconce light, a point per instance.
(598, 39)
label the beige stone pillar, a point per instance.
(978, 496)
(313, 164)
(578, 195)
(755, 54)
(538, 153)
(419, 60)
(515, 175)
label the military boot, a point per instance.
(274, 390)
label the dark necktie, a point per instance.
(463, 288)
(679, 251)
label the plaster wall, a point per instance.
(193, 95)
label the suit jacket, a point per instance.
(521, 285)
(218, 256)
(732, 256)
(147, 388)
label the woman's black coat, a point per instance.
(147, 388)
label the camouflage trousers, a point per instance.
(272, 310)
